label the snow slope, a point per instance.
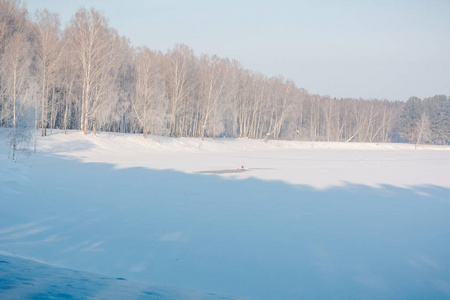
(308, 220)
(27, 279)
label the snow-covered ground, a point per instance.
(26, 279)
(308, 220)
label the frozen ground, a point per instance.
(308, 220)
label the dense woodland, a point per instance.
(88, 77)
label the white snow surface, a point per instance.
(316, 164)
(308, 220)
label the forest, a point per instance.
(87, 77)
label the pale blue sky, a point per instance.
(371, 49)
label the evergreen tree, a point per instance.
(438, 108)
(410, 117)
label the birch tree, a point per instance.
(14, 58)
(179, 72)
(67, 73)
(14, 70)
(48, 48)
(149, 91)
(95, 44)
(213, 77)
(422, 130)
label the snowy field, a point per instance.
(307, 221)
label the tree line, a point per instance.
(88, 77)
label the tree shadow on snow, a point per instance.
(251, 238)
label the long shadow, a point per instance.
(250, 238)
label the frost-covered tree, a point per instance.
(213, 77)
(95, 44)
(48, 47)
(438, 109)
(179, 73)
(410, 117)
(14, 72)
(149, 103)
(90, 78)
(14, 59)
(422, 130)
